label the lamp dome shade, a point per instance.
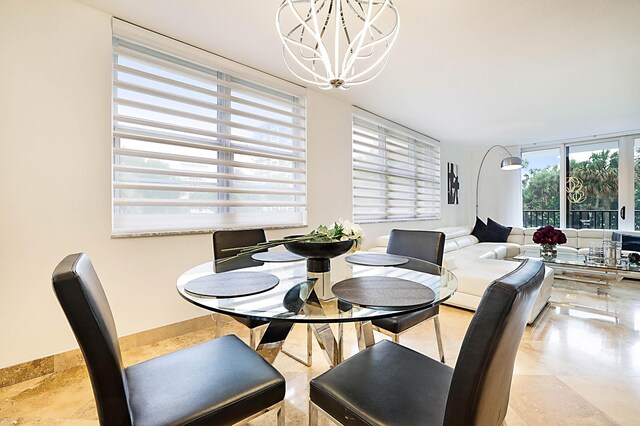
(511, 163)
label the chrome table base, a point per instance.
(330, 342)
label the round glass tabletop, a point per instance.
(306, 297)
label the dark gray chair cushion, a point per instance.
(423, 245)
(223, 240)
(386, 384)
(391, 385)
(202, 385)
(218, 382)
(482, 379)
(401, 323)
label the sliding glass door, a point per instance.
(636, 182)
(541, 188)
(592, 185)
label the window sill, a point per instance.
(142, 234)
(363, 222)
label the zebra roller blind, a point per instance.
(199, 147)
(396, 171)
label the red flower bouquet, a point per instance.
(549, 235)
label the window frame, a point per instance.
(424, 190)
(625, 172)
(238, 76)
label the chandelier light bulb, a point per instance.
(337, 43)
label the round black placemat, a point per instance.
(383, 292)
(376, 259)
(276, 256)
(232, 284)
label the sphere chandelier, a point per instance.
(337, 43)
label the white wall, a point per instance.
(55, 86)
(499, 190)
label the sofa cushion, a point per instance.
(516, 236)
(588, 236)
(474, 252)
(495, 232)
(476, 274)
(454, 231)
(503, 249)
(466, 241)
(450, 246)
(378, 249)
(469, 301)
(479, 229)
(382, 241)
(594, 233)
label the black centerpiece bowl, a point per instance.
(318, 253)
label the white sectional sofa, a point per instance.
(577, 239)
(477, 264)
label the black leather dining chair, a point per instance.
(388, 384)
(219, 382)
(222, 242)
(423, 245)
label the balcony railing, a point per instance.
(579, 219)
(538, 218)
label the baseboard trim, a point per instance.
(59, 362)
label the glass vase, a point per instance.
(548, 251)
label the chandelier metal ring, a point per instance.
(337, 43)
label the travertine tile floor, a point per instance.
(579, 365)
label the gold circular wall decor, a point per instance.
(575, 191)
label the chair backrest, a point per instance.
(83, 301)
(423, 245)
(231, 239)
(479, 392)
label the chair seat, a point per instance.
(359, 391)
(400, 323)
(204, 384)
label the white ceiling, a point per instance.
(464, 71)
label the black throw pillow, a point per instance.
(479, 229)
(495, 232)
(629, 242)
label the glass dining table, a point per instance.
(306, 297)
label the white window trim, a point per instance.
(428, 142)
(158, 42)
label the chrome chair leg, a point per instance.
(252, 338)
(309, 358)
(280, 415)
(436, 323)
(313, 414)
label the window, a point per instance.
(396, 171)
(541, 188)
(200, 142)
(583, 183)
(592, 185)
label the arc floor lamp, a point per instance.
(508, 163)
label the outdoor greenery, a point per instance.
(541, 188)
(599, 177)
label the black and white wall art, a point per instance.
(453, 184)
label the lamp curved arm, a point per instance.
(480, 169)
